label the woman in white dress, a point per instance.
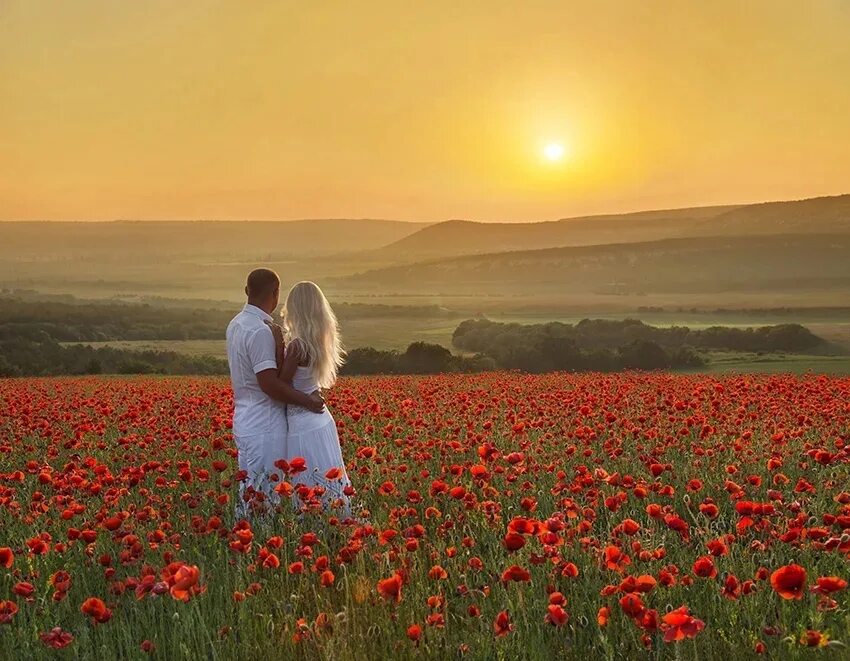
(309, 362)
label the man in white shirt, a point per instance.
(259, 417)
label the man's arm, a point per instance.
(284, 392)
(261, 351)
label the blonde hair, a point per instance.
(308, 317)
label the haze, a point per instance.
(417, 111)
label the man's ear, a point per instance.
(246, 290)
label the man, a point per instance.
(259, 418)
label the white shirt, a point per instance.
(251, 349)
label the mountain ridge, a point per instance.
(457, 237)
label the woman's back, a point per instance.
(304, 380)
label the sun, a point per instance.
(553, 151)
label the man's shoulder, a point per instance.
(236, 322)
(249, 326)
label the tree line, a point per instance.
(46, 357)
(102, 321)
(500, 340)
(31, 337)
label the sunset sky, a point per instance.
(485, 110)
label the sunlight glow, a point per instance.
(553, 151)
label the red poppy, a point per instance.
(615, 559)
(680, 624)
(515, 573)
(327, 578)
(185, 579)
(390, 588)
(789, 581)
(513, 541)
(812, 638)
(96, 609)
(8, 609)
(334, 473)
(556, 615)
(704, 567)
(602, 616)
(7, 557)
(23, 589)
(829, 584)
(414, 632)
(502, 625)
(632, 605)
(56, 638)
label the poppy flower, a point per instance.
(414, 632)
(96, 609)
(615, 559)
(185, 579)
(515, 573)
(680, 624)
(7, 557)
(812, 638)
(502, 625)
(704, 567)
(789, 581)
(829, 584)
(556, 615)
(334, 473)
(327, 578)
(390, 588)
(513, 541)
(23, 589)
(8, 609)
(632, 605)
(56, 638)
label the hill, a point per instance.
(462, 237)
(683, 265)
(825, 215)
(822, 215)
(194, 240)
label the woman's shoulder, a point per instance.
(297, 345)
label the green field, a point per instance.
(726, 362)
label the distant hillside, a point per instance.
(134, 241)
(706, 264)
(465, 237)
(825, 215)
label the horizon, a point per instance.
(269, 112)
(603, 214)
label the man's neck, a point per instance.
(259, 306)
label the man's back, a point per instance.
(251, 349)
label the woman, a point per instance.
(309, 355)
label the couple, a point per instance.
(279, 412)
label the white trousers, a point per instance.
(257, 455)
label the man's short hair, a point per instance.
(261, 283)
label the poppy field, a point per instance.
(493, 516)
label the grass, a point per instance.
(726, 362)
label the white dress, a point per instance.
(314, 437)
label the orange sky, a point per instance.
(417, 110)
